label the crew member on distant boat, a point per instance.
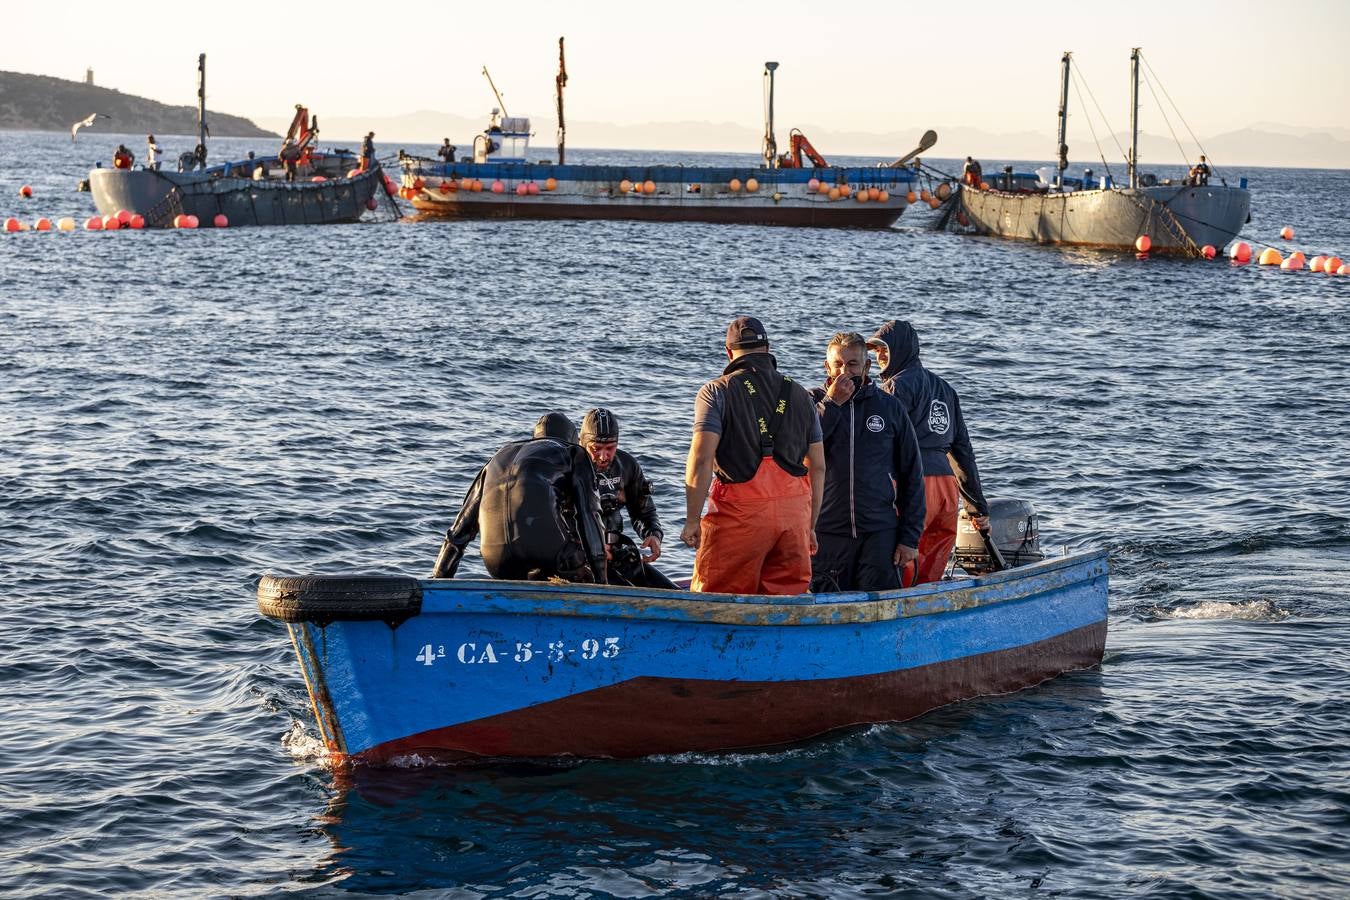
(944, 445)
(368, 152)
(151, 153)
(972, 173)
(758, 431)
(622, 485)
(1199, 174)
(447, 151)
(123, 158)
(290, 158)
(535, 503)
(873, 510)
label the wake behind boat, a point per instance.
(797, 188)
(1178, 219)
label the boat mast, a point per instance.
(496, 93)
(1063, 123)
(770, 145)
(1134, 118)
(561, 82)
(201, 99)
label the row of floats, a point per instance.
(121, 220)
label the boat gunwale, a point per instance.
(488, 596)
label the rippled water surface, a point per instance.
(182, 411)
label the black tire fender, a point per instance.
(322, 599)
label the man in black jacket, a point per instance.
(536, 505)
(622, 485)
(873, 510)
(944, 444)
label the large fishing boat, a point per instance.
(797, 188)
(327, 187)
(403, 670)
(1176, 218)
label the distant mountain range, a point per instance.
(42, 103)
(1263, 144)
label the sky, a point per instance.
(861, 66)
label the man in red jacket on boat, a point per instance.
(757, 431)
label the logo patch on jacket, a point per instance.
(875, 424)
(939, 419)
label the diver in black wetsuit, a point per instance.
(536, 507)
(622, 485)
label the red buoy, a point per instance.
(93, 223)
(1208, 251)
(1143, 243)
(220, 221)
(26, 192)
(1287, 233)
(12, 225)
(137, 222)
(371, 204)
(1240, 252)
(123, 217)
(111, 223)
(43, 224)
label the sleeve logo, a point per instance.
(939, 419)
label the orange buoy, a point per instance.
(26, 191)
(649, 187)
(550, 184)
(1240, 252)
(883, 197)
(934, 203)
(12, 225)
(1270, 257)
(444, 187)
(911, 197)
(123, 216)
(317, 179)
(1344, 269)
(1292, 264)
(111, 223)
(751, 185)
(522, 190)
(476, 186)
(1208, 251)
(1315, 264)
(734, 185)
(191, 222)
(835, 193)
(862, 196)
(625, 186)
(823, 188)
(984, 185)
(1143, 243)
(813, 184)
(137, 222)
(924, 195)
(1332, 264)
(221, 221)
(532, 188)
(1287, 233)
(466, 184)
(498, 187)
(417, 184)
(65, 223)
(93, 223)
(43, 224)
(845, 191)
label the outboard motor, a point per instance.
(1015, 529)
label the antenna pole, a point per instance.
(1063, 122)
(1134, 118)
(495, 92)
(561, 82)
(201, 99)
(770, 144)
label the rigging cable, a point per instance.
(1088, 116)
(1178, 111)
(1182, 150)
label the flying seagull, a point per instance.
(85, 123)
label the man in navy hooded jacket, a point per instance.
(935, 412)
(873, 509)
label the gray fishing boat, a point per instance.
(1177, 218)
(326, 187)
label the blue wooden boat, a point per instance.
(445, 669)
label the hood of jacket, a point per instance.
(903, 343)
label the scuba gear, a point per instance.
(599, 426)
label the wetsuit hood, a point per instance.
(903, 343)
(556, 425)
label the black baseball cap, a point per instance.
(745, 332)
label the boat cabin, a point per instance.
(506, 140)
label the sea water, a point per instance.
(183, 411)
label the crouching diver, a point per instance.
(537, 510)
(622, 485)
